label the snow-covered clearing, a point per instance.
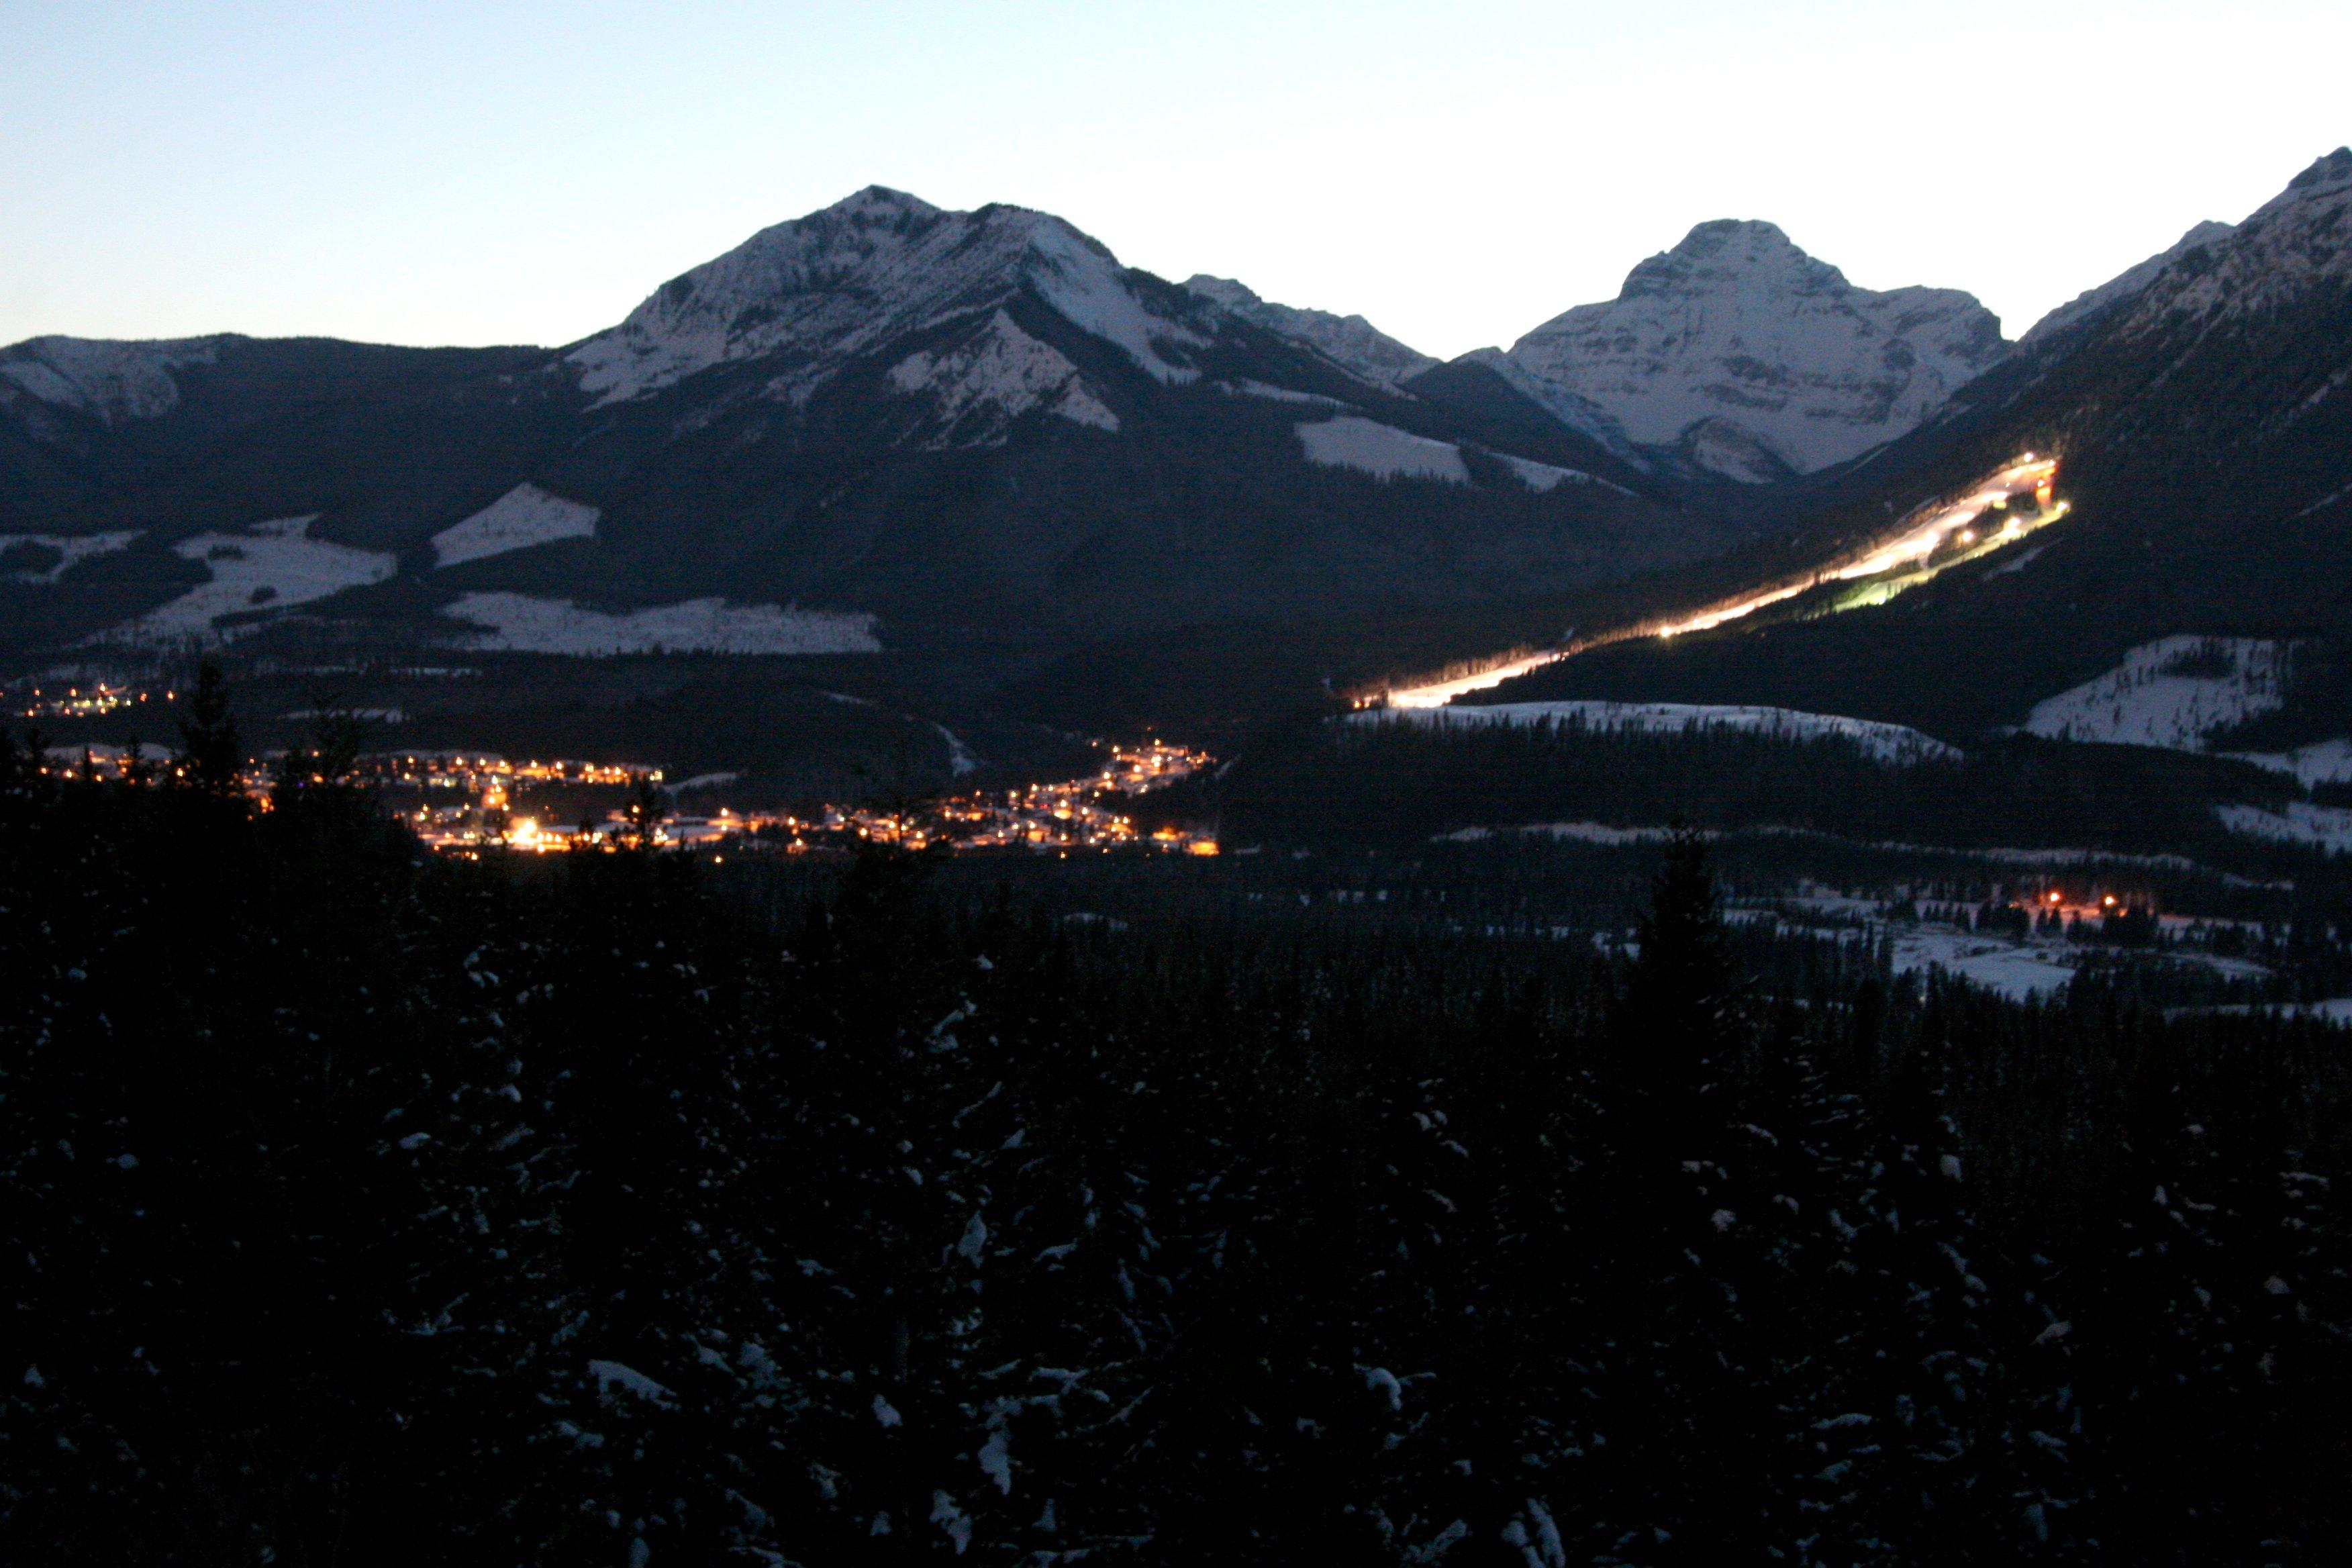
(518, 623)
(523, 516)
(1273, 393)
(2334, 1010)
(269, 567)
(2322, 761)
(1574, 832)
(74, 549)
(1894, 744)
(2173, 692)
(2008, 967)
(2327, 827)
(1381, 450)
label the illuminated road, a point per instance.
(1924, 533)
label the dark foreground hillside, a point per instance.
(363, 1208)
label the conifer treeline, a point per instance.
(1323, 782)
(371, 1207)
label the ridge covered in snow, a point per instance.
(1754, 358)
(113, 381)
(2122, 288)
(1351, 342)
(859, 274)
(2299, 241)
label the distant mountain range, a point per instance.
(976, 446)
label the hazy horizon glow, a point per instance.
(433, 173)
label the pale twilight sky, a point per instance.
(432, 172)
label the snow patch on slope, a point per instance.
(2323, 827)
(1543, 477)
(2172, 693)
(1272, 394)
(1002, 374)
(1894, 744)
(858, 275)
(115, 381)
(2322, 761)
(1351, 342)
(518, 623)
(1736, 324)
(523, 516)
(269, 567)
(1381, 450)
(73, 549)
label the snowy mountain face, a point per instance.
(877, 267)
(112, 382)
(1351, 342)
(2094, 303)
(2295, 246)
(1754, 359)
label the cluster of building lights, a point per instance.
(1073, 815)
(79, 701)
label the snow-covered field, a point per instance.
(74, 549)
(523, 516)
(269, 567)
(517, 623)
(2327, 827)
(1384, 451)
(2011, 968)
(1894, 744)
(2162, 694)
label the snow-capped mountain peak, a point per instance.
(854, 277)
(1757, 358)
(1351, 342)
